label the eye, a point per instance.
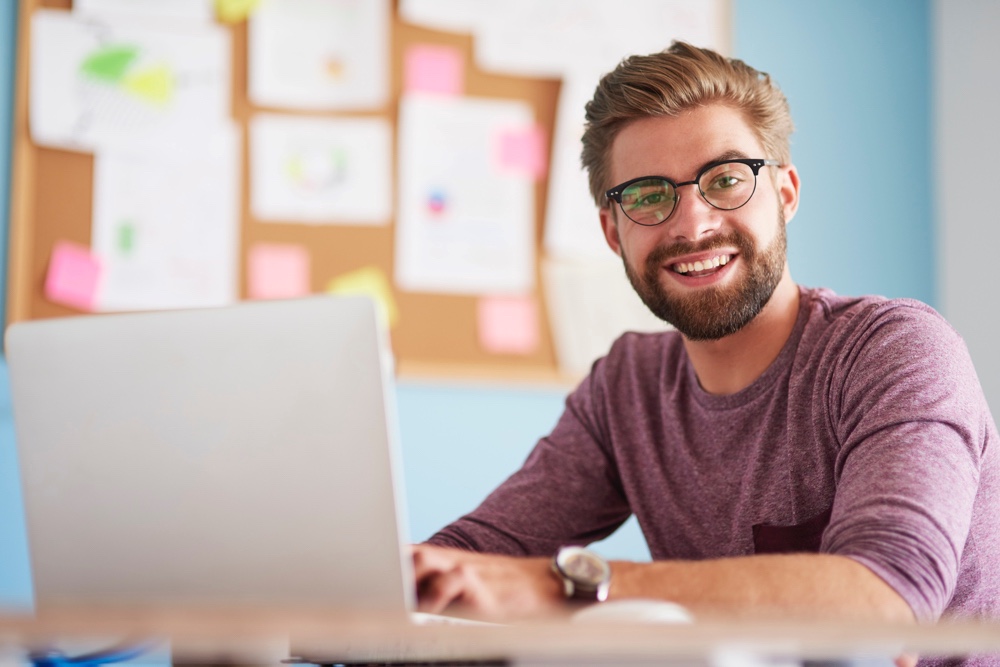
(724, 177)
(724, 181)
(648, 195)
(651, 199)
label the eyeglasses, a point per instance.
(726, 185)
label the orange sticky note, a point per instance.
(433, 69)
(278, 271)
(73, 276)
(522, 151)
(508, 325)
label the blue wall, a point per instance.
(15, 583)
(857, 75)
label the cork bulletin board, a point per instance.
(436, 334)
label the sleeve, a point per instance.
(910, 415)
(567, 492)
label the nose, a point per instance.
(693, 217)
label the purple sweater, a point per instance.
(868, 436)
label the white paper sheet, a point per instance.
(320, 54)
(97, 83)
(465, 224)
(321, 170)
(166, 225)
(590, 304)
(198, 11)
(572, 223)
(531, 38)
(450, 15)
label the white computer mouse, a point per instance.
(633, 610)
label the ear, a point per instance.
(788, 191)
(610, 227)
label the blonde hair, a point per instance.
(670, 82)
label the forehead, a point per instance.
(679, 146)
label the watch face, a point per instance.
(584, 566)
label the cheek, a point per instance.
(763, 218)
(635, 249)
(638, 241)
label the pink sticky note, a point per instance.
(508, 325)
(73, 276)
(522, 151)
(278, 271)
(434, 69)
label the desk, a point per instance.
(252, 637)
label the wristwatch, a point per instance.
(585, 575)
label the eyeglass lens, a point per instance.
(725, 186)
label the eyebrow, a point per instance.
(722, 157)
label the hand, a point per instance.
(485, 586)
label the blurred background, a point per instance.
(894, 104)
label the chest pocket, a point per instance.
(802, 537)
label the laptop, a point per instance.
(244, 455)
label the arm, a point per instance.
(794, 585)
(528, 514)
(913, 426)
(501, 587)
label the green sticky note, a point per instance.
(109, 63)
(126, 237)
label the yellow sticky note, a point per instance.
(234, 11)
(154, 85)
(370, 281)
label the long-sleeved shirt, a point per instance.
(868, 436)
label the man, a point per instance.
(786, 450)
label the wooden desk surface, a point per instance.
(243, 636)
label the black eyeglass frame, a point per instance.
(615, 193)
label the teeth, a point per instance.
(713, 263)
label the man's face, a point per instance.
(741, 252)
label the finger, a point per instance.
(429, 560)
(438, 592)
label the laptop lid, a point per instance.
(237, 455)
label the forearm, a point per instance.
(801, 585)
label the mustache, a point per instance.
(664, 253)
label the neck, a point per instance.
(730, 364)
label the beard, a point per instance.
(711, 313)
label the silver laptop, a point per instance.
(239, 455)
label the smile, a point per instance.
(702, 267)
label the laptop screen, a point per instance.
(238, 455)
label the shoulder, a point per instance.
(644, 346)
(637, 363)
(640, 354)
(834, 307)
(893, 356)
(853, 326)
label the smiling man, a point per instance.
(786, 451)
